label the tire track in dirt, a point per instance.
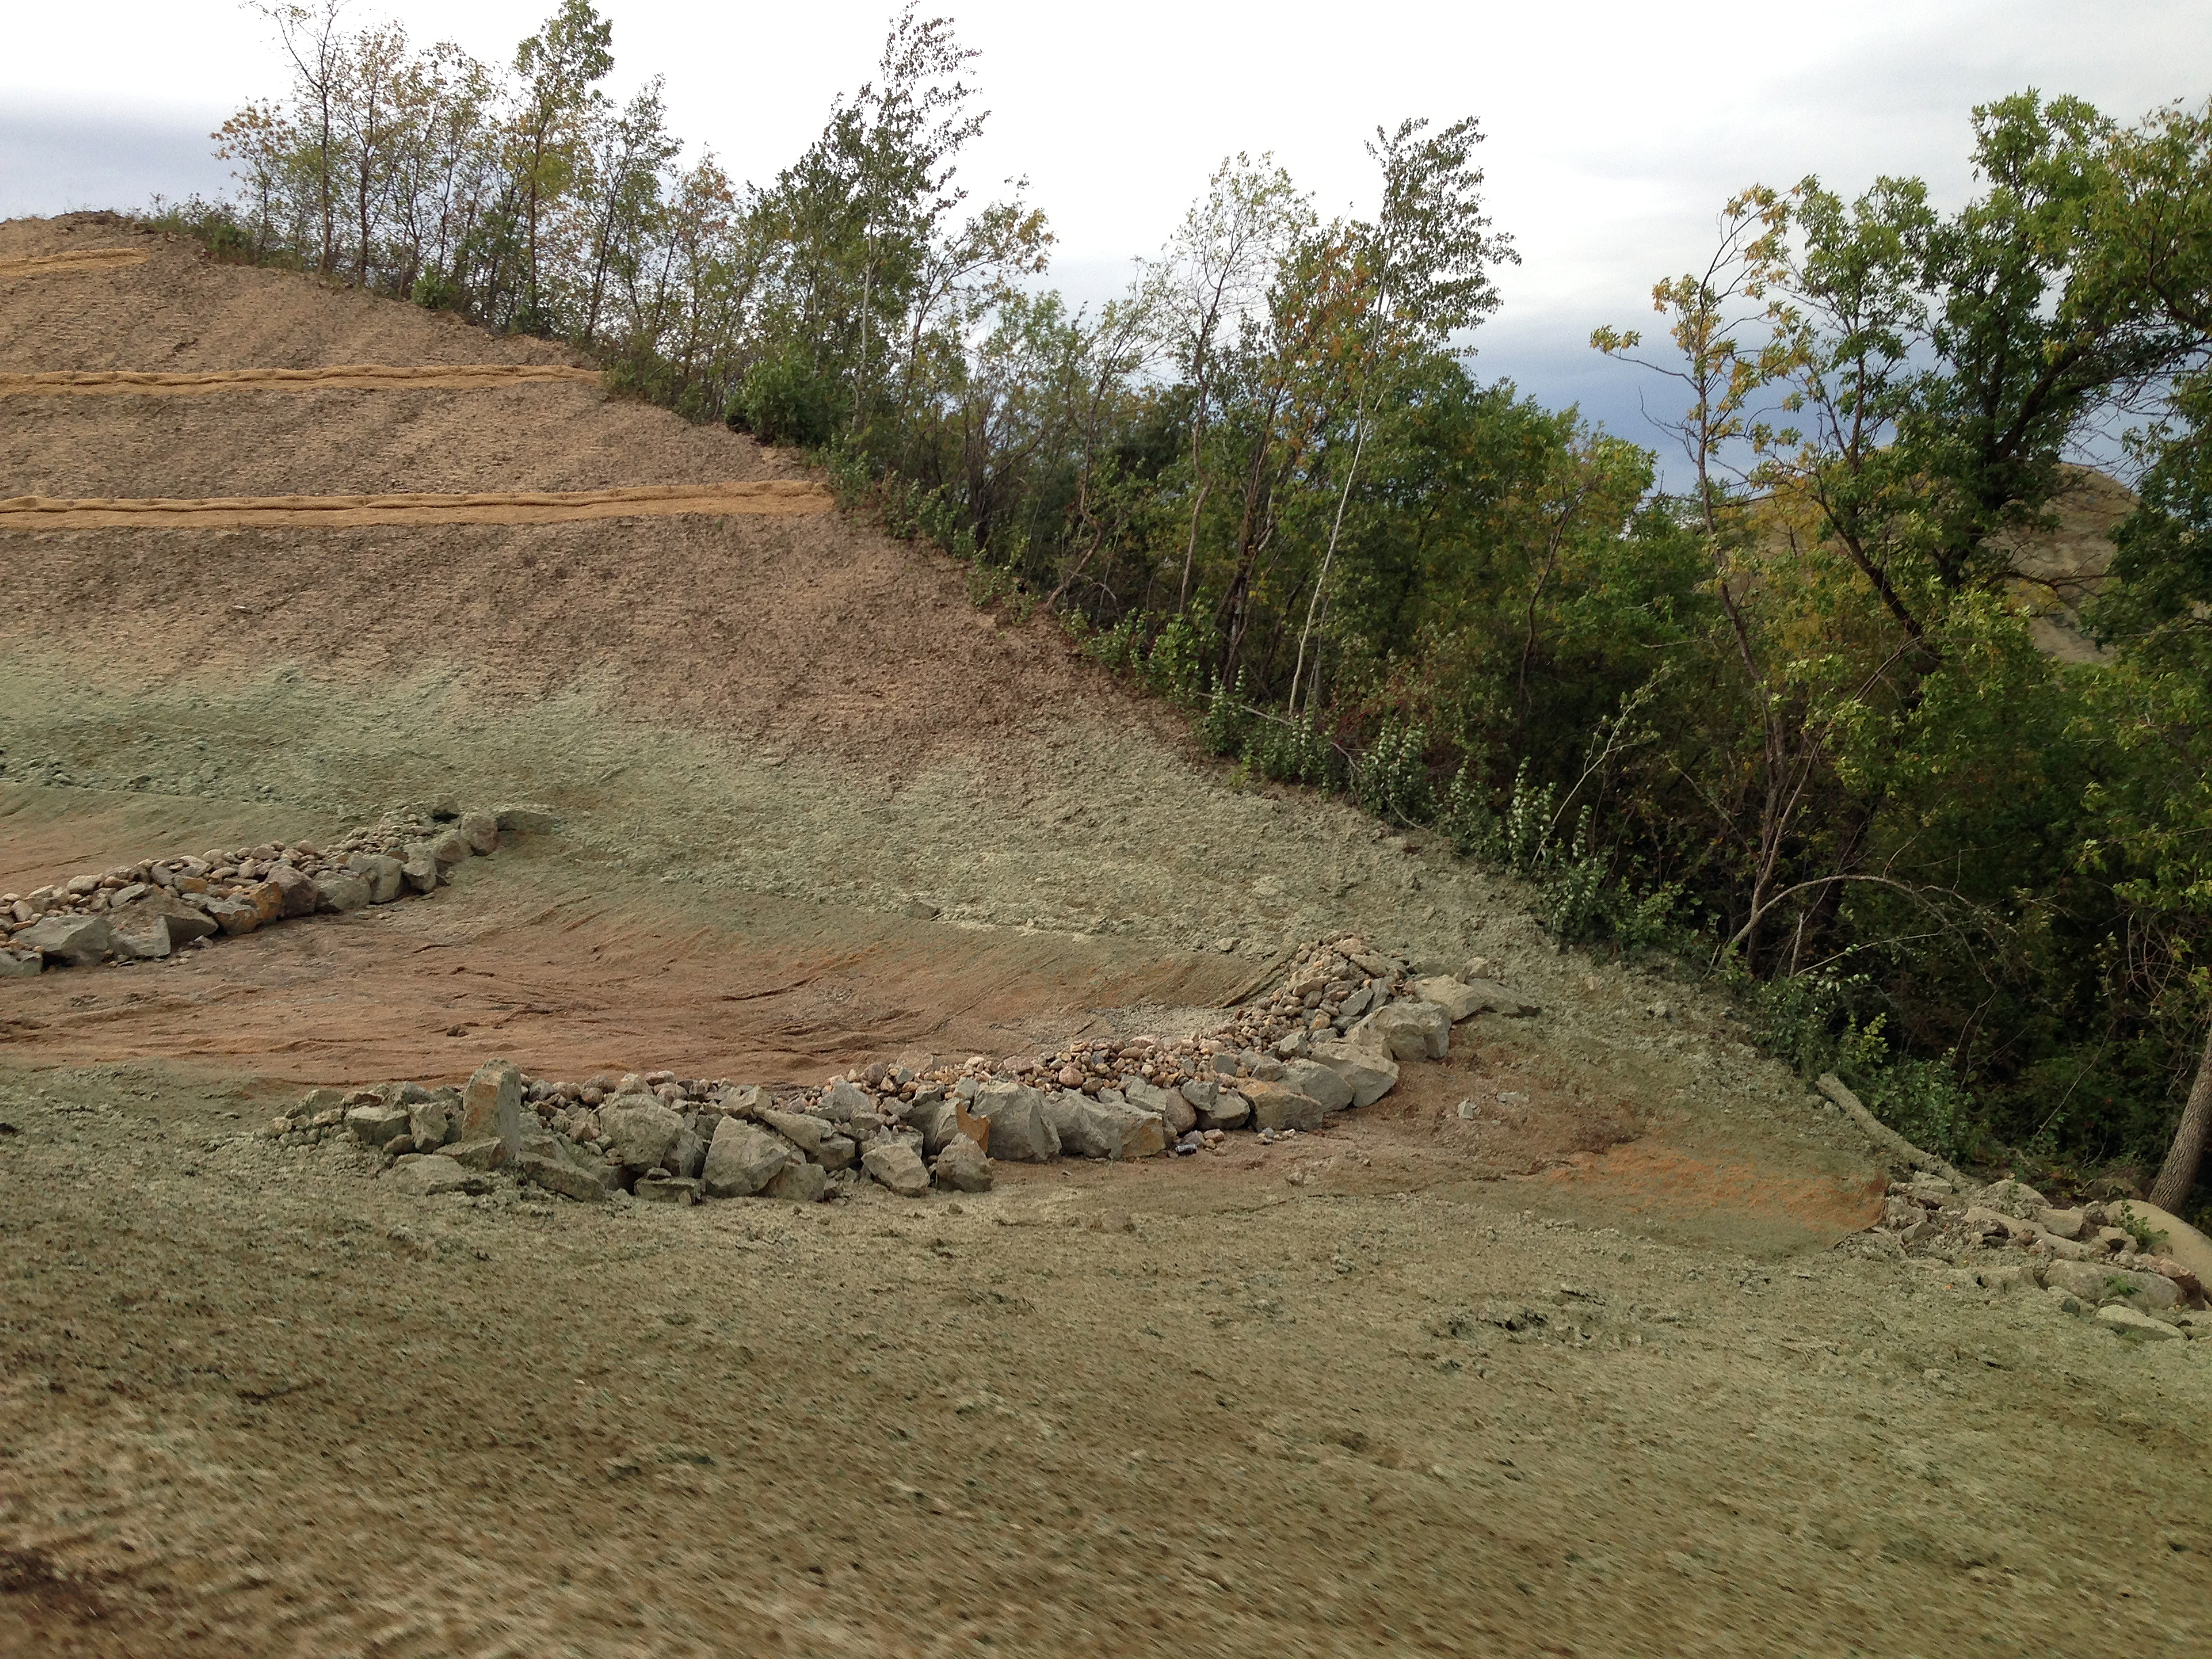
(773, 497)
(345, 377)
(89, 258)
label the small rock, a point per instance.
(816, 1137)
(841, 1099)
(552, 1164)
(484, 1155)
(384, 875)
(743, 1158)
(522, 820)
(2063, 1223)
(428, 1124)
(2010, 1197)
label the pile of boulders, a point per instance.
(145, 912)
(2103, 1257)
(1330, 1039)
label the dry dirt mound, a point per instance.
(777, 496)
(344, 377)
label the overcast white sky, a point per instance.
(1615, 129)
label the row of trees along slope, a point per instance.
(1788, 722)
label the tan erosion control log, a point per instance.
(773, 495)
(339, 377)
(91, 259)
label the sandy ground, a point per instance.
(813, 809)
(347, 377)
(772, 496)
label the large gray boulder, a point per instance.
(384, 875)
(962, 1167)
(841, 1099)
(1019, 1129)
(799, 1182)
(551, 1162)
(1464, 998)
(372, 1126)
(1169, 1104)
(22, 965)
(1230, 1111)
(1410, 1030)
(898, 1166)
(639, 1130)
(295, 889)
(80, 941)
(743, 1158)
(1370, 1071)
(491, 1108)
(1311, 1077)
(341, 891)
(2092, 1281)
(1278, 1106)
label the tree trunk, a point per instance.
(2179, 1174)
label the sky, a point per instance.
(1614, 131)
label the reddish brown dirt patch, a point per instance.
(344, 377)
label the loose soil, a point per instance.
(775, 496)
(815, 809)
(349, 377)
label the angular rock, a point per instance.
(689, 1156)
(525, 820)
(962, 1167)
(1409, 1030)
(1181, 1116)
(551, 1162)
(21, 964)
(420, 871)
(267, 899)
(1019, 1129)
(798, 1183)
(448, 848)
(1367, 1071)
(80, 941)
(1230, 1111)
(1278, 1106)
(485, 1154)
(743, 1158)
(429, 1178)
(746, 1101)
(429, 1123)
(840, 1100)
(233, 916)
(491, 1107)
(373, 1126)
(639, 1131)
(141, 935)
(1323, 1083)
(341, 891)
(897, 1166)
(2142, 1327)
(480, 830)
(2063, 1224)
(1086, 1128)
(1144, 1134)
(666, 1189)
(1464, 998)
(295, 890)
(384, 875)
(2010, 1197)
(2092, 1281)
(816, 1137)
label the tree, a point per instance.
(560, 67)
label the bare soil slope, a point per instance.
(814, 810)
